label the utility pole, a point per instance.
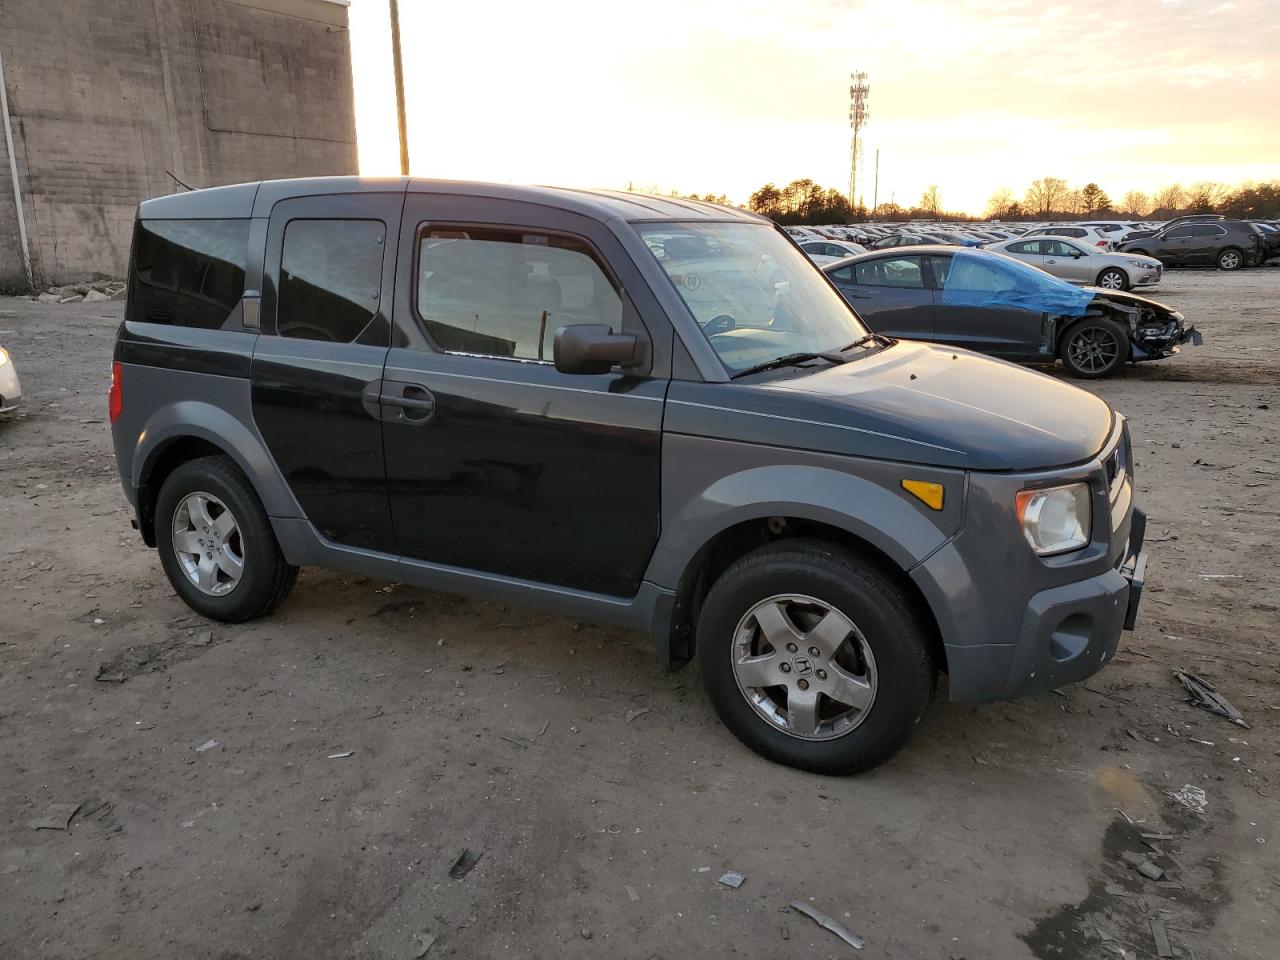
(17, 186)
(858, 114)
(395, 61)
(875, 193)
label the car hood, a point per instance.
(912, 403)
(1126, 299)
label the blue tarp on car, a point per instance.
(989, 280)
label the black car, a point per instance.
(998, 305)
(1227, 244)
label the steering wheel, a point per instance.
(721, 324)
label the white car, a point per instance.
(1092, 236)
(10, 388)
(1075, 262)
(829, 251)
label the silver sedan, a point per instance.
(1077, 262)
(10, 389)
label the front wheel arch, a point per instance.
(733, 543)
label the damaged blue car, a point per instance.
(1000, 306)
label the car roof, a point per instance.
(911, 251)
(243, 200)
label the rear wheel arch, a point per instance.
(731, 544)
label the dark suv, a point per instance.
(1228, 244)
(647, 411)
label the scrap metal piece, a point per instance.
(463, 865)
(822, 920)
(733, 879)
(1204, 695)
(57, 816)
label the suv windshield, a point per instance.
(754, 295)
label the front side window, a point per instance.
(1056, 248)
(330, 278)
(188, 273)
(504, 292)
(1177, 233)
(754, 295)
(890, 272)
(991, 280)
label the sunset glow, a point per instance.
(723, 96)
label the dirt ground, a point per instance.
(604, 796)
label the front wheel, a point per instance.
(216, 544)
(1113, 278)
(1230, 259)
(1094, 348)
(814, 658)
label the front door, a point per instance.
(977, 305)
(890, 294)
(1174, 245)
(499, 463)
(1067, 261)
(325, 332)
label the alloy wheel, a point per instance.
(804, 667)
(1093, 350)
(1229, 260)
(1111, 280)
(207, 543)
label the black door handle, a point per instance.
(412, 403)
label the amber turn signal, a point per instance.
(928, 493)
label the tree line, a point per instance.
(1052, 198)
(1049, 198)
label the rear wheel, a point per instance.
(1113, 278)
(1094, 347)
(216, 544)
(1230, 259)
(813, 658)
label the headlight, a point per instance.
(1056, 519)
(1141, 264)
(4, 356)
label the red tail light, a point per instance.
(115, 396)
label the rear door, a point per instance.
(976, 306)
(1206, 241)
(498, 463)
(890, 294)
(327, 279)
(1028, 251)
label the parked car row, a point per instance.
(1194, 240)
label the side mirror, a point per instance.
(1076, 253)
(593, 348)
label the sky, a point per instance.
(722, 96)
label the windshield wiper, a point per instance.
(792, 359)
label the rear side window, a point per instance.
(505, 292)
(188, 273)
(1026, 246)
(1207, 230)
(330, 278)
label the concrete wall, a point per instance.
(106, 95)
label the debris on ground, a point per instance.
(638, 713)
(1192, 797)
(822, 920)
(1143, 865)
(57, 816)
(1161, 938)
(207, 745)
(631, 894)
(343, 755)
(422, 942)
(467, 859)
(203, 638)
(1203, 694)
(733, 879)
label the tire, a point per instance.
(883, 659)
(1113, 278)
(211, 489)
(1094, 348)
(1230, 259)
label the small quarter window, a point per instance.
(188, 273)
(330, 278)
(505, 292)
